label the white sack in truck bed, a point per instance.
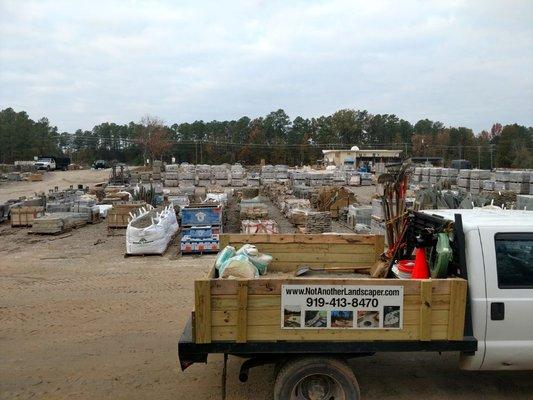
(150, 231)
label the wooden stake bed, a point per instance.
(243, 311)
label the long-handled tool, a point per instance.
(304, 269)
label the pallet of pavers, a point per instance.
(25, 215)
(58, 222)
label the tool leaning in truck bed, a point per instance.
(395, 215)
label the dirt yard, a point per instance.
(80, 321)
(61, 179)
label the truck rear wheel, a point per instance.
(316, 378)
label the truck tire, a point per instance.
(316, 378)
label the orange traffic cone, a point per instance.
(421, 268)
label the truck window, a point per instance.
(514, 260)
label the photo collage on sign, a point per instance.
(295, 317)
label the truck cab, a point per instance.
(46, 163)
(499, 260)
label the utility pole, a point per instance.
(196, 151)
(491, 156)
(478, 157)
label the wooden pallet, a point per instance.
(24, 215)
(119, 215)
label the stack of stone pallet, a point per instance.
(519, 181)
(316, 179)
(57, 206)
(187, 175)
(268, 174)
(477, 176)
(416, 175)
(57, 222)
(463, 179)
(298, 217)
(87, 208)
(221, 175)
(253, 210)
(502, 180)
(434, 175)
(449, 175)
(290, 204)
(144, 176)
(282, 173)
(157, 168)
(297, 178)
(254, 179)
(318, 222)
(305, 192)
(204, 175)
(238, 175)
(171, 175)
(424, 177)
(359, 215)
(339, 177)
(353, 177)
(277, 193)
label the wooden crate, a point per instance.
(250, 310)
(35, 177)
(119, 215)
(24, 215)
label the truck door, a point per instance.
(508, 259)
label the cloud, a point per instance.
(79, 63)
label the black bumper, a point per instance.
(190, 352)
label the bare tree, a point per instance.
(153, 137)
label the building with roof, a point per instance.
(358, 157)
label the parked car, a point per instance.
(100, 164)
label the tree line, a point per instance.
(275, 138)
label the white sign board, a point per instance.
(341, 307)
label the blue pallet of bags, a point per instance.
(194, 216)
(200, 239)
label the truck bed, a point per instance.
(248, 317)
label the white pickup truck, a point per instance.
(499, 260)
(46, 163)
(492, 250)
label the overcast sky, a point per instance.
(465, 63)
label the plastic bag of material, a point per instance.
(238, 266)
(259, 260)
(248, 250)
(226, 253)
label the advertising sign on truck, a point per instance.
(338, 306)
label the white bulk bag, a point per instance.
(149, 232)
